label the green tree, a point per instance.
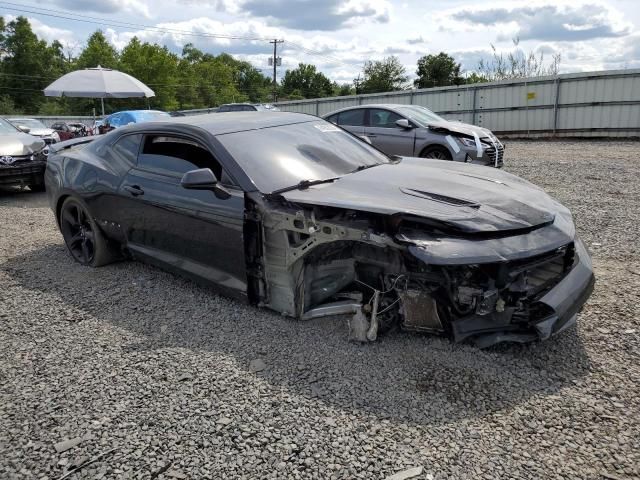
(211, 79)
(26, 67)
(98, 52)
(248, 80)
(475, 78)
(343, 90)
(384, 75)
(307, 81)
(154, 66)
(438, 71)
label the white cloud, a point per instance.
(318, 14)
(46, 32)
(542, 20)
(136, 7)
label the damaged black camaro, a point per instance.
(292, 213)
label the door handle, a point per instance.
(370, 135)
(134, 190)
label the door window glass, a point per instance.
(175, 156)
(353, 118)
(380, 118)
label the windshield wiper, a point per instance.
(393, 159)
(301, 185)
(364, 167)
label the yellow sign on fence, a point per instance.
(531, 95)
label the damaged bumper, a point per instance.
(561, 305)
(22, 172)
(490, 156)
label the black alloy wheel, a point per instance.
(78, 232)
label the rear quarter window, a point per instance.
(127, 147)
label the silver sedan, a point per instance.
(415, 131)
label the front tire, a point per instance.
(436, 152)
(85, 241)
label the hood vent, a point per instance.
(436, 197)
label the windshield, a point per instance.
(421, 115)
(278, 157)
(6, 127)
(28, 122)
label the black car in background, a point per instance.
(290, 212)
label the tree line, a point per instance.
(195, 79)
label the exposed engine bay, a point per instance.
(309, 261)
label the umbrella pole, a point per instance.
(102, 103)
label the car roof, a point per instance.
(389, 106)
(138, 111)
(232, 121)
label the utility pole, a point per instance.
(275, 61)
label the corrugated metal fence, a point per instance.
(580, 104)
(596, 104)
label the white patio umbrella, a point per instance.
(98, 83)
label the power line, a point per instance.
(120, 24)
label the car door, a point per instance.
(352, 121)
(382, 131)
(193, 232)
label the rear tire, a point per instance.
(37, 187)
(436, 153)
(85, 241)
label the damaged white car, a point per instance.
(293, 213)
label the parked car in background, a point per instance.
(80, 129)
(247, 107)
(126, 117)
(415, 131)
(94, 129)
(22, 157)
(287, 211)
(36, 128)
(65, 132)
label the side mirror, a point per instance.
(404, 123)
(23, 128)
(204, 179)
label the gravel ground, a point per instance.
(160, 374)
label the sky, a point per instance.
(340, 35)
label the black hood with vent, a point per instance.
(465, 197)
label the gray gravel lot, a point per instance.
(130, 358)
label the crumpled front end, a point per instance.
(520, 300)
(487, 287)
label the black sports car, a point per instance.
(293, 213)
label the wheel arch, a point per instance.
(431, 145)
(59, 204)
